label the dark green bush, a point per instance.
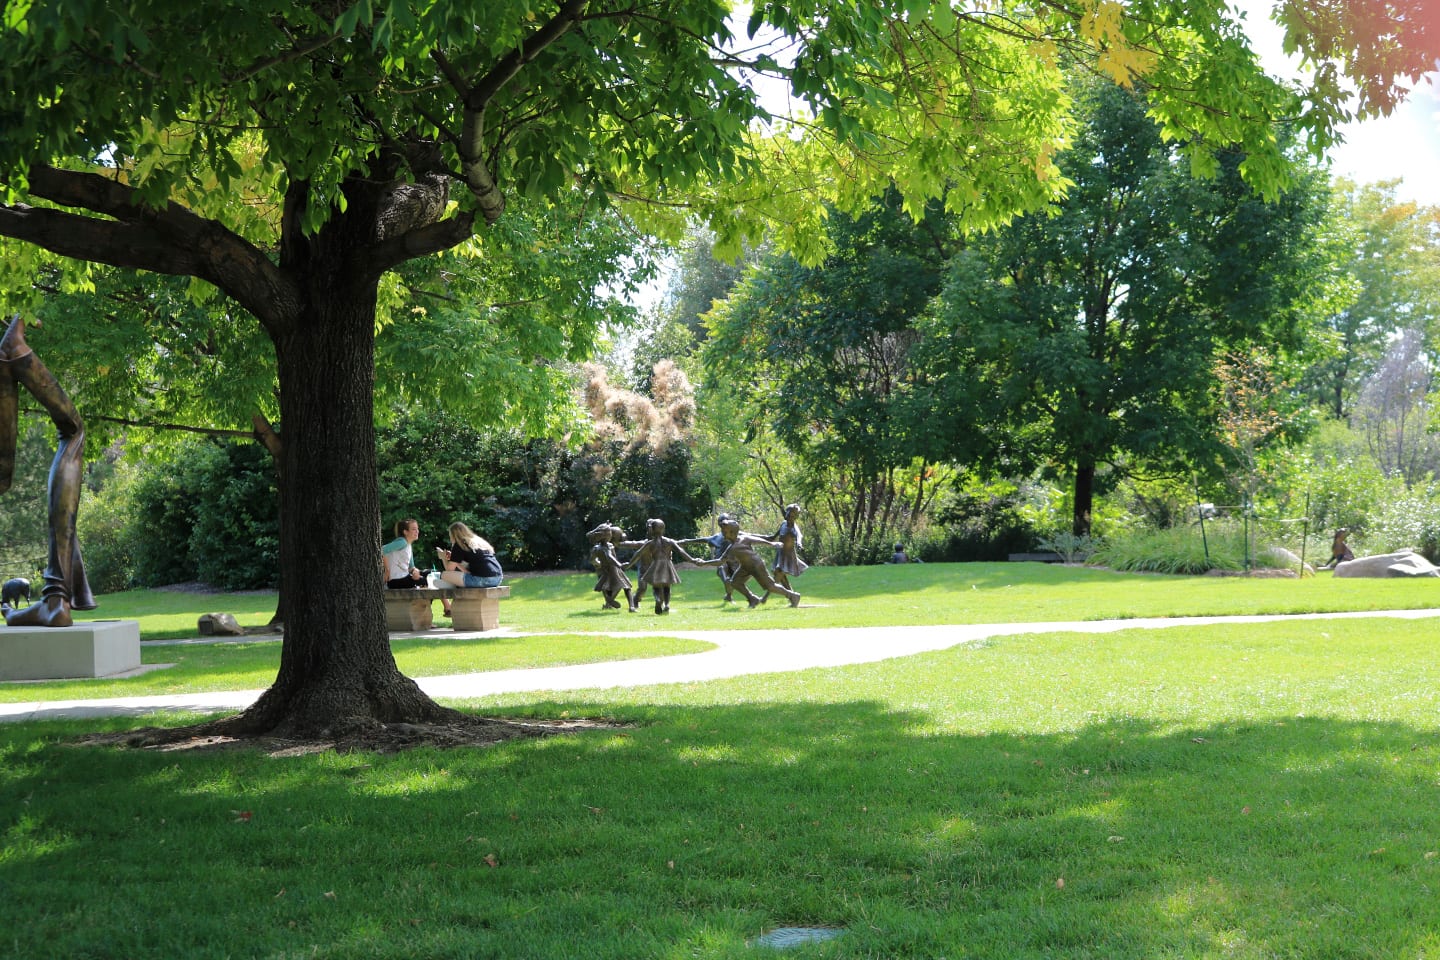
(205, 510)
(235, 541)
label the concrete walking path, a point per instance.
(736, 653)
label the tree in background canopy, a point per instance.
(1394, 411)
(291, 155)
(1088, 338)
(1393, 262)
(676, 327)
(821, 356)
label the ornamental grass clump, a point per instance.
(1185, 549)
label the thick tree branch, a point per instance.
(434, 238)
(171, 240)
(99, 241)
(268, 437)
(473, 167)
(184, 428)
(527, 50)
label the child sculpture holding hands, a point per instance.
(657, 565)
(613, 578)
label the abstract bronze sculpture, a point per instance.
(65, 587)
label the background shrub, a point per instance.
(203, 510)
(1183, 549)
(1410, 519)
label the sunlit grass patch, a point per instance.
(1244, 790)
(252, 664)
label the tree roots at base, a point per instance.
(363, 735)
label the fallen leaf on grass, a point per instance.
(491, 861)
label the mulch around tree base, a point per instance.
(370, 737)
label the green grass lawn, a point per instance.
(252, 665)
(961, 593)
(563, 609)
(171, 615)
(1236, 791)
(859, 596)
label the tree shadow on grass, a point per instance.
(702, 827)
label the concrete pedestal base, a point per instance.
(98, 648)
(471, 608)
(477, 608)
(408, 610)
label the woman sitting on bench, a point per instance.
(398, 558)
(470, 561)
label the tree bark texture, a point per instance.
(264, 434)
(318, 306)
(336, 669)
(1084, 499)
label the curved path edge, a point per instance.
(736, 653)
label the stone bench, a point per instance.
(471, 608)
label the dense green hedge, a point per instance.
(206, 510)
(534, 499)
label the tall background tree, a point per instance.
(1086, 339)
(821, 357)
(292, 155)
(1392, 260)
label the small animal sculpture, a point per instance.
(14, 590)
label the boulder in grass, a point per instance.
(220, 625)
(1405, 563)
(1282, 559)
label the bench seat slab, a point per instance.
(471, 608)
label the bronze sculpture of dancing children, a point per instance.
(613, 579)
(742, 554)
(657, 565)
(718, 546)
(787, 559)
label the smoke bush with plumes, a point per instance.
(627, 417)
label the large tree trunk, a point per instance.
(1084, 499)
(336, 671)
(318, 305)
(266, 436)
